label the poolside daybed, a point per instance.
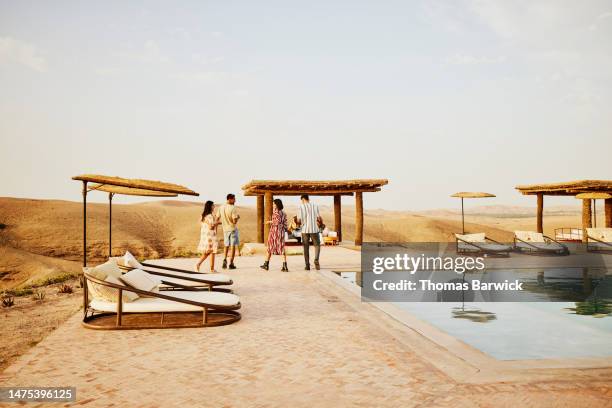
(480, 244)
(536, 243)
(599, 239)
(117, 305)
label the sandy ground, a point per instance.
(42, 239)
(29, 321)
(300, 343)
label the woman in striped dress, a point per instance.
(276, 237)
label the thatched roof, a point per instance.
(471, 194)
(593, 196)
(129, 191)
(148, 185)
(569, 188)
(324, 187)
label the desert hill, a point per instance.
(42, 238)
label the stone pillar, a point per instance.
(358, 218)
(540, 213)
(586, 217)
(338, 215)
(268, 214)
(608, 211)
(260, 219)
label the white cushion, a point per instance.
(479, 237)
(108, 268)
(130, 260)
(139, 279)
(529, 236)
(153, 305)
(601, 234)
(106, 293)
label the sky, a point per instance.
(436, 96)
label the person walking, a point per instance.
(229, 218)
(276, 237)
(310, 220)
(208, 236)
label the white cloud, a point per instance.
(240, 92)
(202, 77)
(22, 53)
(217, 34)
(602, 17)
(150, 53)
(462, 59)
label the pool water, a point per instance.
(522, 330)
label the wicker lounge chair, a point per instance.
(599, 239)
(175, 278)
(480, 244)
(536, 243)
(153, 309)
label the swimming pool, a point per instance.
(522, 330)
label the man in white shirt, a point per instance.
(309, 218)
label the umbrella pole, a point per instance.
(85, 297)
(462, 218)
(110, 225)
(594, 213)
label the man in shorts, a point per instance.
(229, 218)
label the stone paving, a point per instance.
(298, 345)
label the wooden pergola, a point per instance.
(265, 190)
(571, 188)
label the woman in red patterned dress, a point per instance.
(276, 237)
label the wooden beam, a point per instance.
(338, 216)
(608, 212)
(286, 192)
(251, 193)
(358, 218)
(260, 219)
(269, 198)
(586, 217)
(540, 214)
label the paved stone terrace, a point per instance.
(298, 345)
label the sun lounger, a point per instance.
(599, 239)
(479, 243)
(175, 278)
(536, 243)
(110, 308)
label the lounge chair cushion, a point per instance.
(108, 268)
(529, 236)
(479, 237)
(601, 234)
(156, 305)
(139, 279)
(106, 293)
(130, 260)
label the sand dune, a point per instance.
(42, 238)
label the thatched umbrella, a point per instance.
(468, 194)
(594, 197)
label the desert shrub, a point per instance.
(8, 300)
(65, 288)
(20, 292)
(2, 226)
(39, 295)
(52, 280)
